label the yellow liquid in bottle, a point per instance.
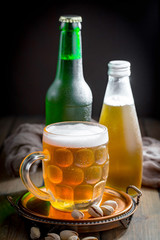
(125, 146)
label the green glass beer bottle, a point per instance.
(69, 97)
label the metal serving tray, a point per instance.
(41, 212)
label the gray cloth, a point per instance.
(26, 139)
(151, 162)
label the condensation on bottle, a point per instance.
(69, 97)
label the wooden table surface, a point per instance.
(144, 225)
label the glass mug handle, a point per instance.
(24, 175)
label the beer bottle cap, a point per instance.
(119, 68)
(70, 18)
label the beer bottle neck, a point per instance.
(70, 41)
(118, 91)
(119, 80)
(70, 53)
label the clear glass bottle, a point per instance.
(69, 98)
(119, 115)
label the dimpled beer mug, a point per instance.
(75, 165)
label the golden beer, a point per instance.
(76, 167)
(125, 145)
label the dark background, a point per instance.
(122, 30)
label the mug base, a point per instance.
(61, 205)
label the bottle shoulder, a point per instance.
(76, 91)
(119, 92)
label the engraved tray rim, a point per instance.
(72, 222)
(82, 222)
(81, 226)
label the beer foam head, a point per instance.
(75, 134)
